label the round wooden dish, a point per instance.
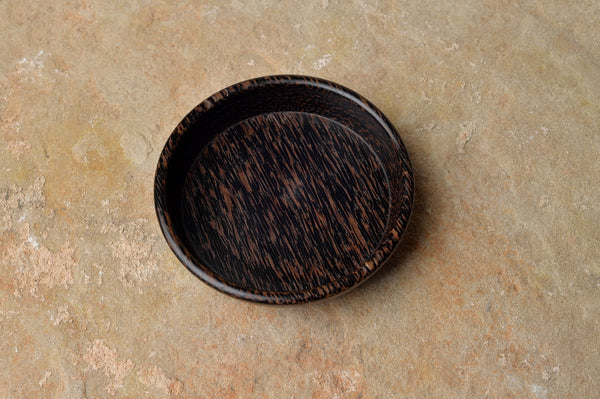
(284, 189)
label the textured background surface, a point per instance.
(494, 292)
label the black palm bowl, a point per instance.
(284, 189)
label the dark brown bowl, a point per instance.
(284, 189)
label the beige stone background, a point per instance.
(495, 291)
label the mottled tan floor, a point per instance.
(495, 291)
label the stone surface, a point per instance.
(494, 292)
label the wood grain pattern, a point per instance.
(284, 189)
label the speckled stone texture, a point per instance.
(494, 292)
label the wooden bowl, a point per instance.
(284, 189)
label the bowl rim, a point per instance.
(353, 278)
